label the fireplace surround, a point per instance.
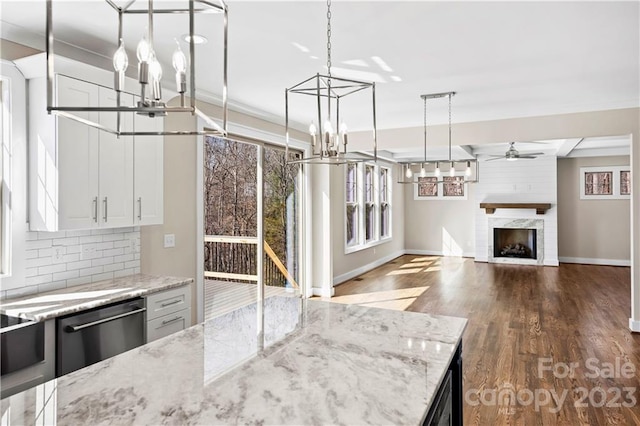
(516, 241)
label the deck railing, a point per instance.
(233, 258)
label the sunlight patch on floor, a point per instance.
(425, 259)
(404, 271)
(416, 264)
(433, 269)
(399, 299)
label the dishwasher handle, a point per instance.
(74, 328)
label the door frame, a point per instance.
(259, 138)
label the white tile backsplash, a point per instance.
(84, 257)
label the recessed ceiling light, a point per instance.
(197, 39)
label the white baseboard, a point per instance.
(435, 253)
(551, 262)
(595, 261)
(634, 325)
(366, 268)
(317, 291)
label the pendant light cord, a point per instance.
(329, 59)
(329, 38)
(425, 129)
(450, 95)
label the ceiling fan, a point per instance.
(512, 154)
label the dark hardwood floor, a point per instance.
(522, 318)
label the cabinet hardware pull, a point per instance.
(171, 303)
(95, 209)
(139, 208)
(106, 204)
(165, 322)
(74, 328)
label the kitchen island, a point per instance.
(314, 363)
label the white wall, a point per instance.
(522, 181)
(591, 231)
(440, 227)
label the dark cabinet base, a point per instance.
(446, 409)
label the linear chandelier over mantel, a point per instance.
(329, 138)
(415, 172)
(149, 69)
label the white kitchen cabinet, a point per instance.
(83, 178)
(66, 182)
(168, 324)
(168, 311)
(148, 186)
(116, 165)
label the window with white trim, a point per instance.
(367, 206)
(385, 213)
(351, 200)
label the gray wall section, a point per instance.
(592, 229)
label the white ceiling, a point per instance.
(504, 59)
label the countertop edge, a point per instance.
(163, 283)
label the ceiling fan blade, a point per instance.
(533, 153)
(528, 157)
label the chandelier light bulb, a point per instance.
(155, 69)
(155, 75)
(180, 65)
(468, 171)
(409, 172)
(423, 171)
(437, 172)
(328, 135)
(179, 60)
(343, 134)
(452, 170)
(143, 52)
(120, 59)
(328, 127)
(313, 130)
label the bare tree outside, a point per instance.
(230, 201)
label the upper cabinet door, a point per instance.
(148, 172)
(116, 164)
(76, 157)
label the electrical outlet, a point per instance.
(58, 254)
(132, 245)
(169, 240)
(87, 252)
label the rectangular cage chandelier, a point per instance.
(329, 139)
(149, 73)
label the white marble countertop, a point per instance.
(51, 304)
(318, 363)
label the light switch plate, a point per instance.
(169, 240)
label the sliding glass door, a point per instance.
(232, 172)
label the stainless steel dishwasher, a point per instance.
(97, 334)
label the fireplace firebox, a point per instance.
(515, 243)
